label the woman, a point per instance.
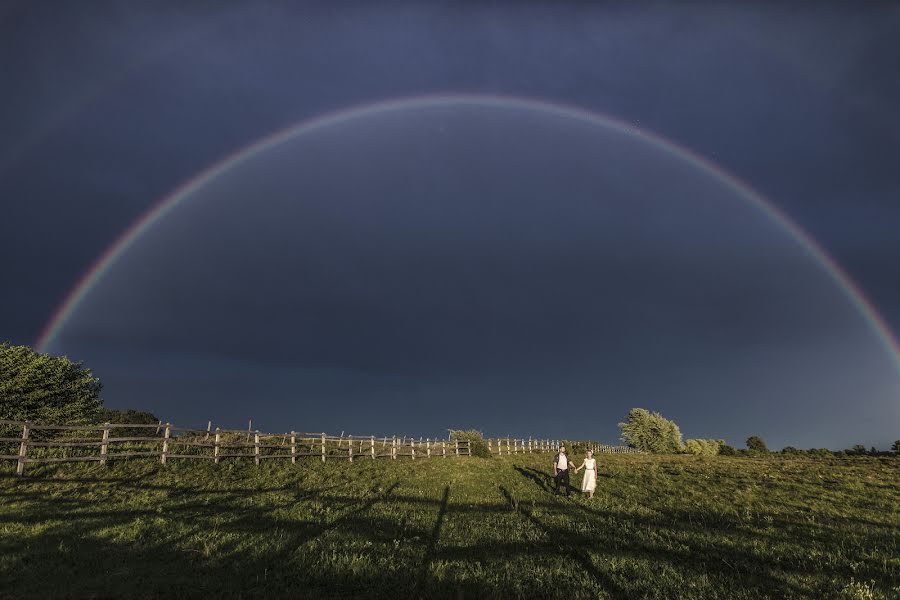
(589, 483)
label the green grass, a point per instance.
(659, 527)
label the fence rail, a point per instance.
(41, 443)
(507, 446)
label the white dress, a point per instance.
(589, 483)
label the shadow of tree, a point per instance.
(376, 538)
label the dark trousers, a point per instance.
(562, 477)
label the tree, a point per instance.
(651, 432)
(47, 389)
(896, 447)
(756, 444)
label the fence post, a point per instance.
(444, 449)
(23, 448)
(293, 447)
(457, 447)
(428, 447)
(256, 446)
(412, 445)
(323, 446)
(372, 446)
(394, 448)
(216, 447)
(104, 444)
(350, 447)
(165, 447)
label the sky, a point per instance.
(523, 218)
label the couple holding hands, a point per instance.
(561, 464)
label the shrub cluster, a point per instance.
(703, 447)
(477, 445)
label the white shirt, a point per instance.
(563, 463)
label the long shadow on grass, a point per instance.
(570, 546)
(243, 557)
(693, 553)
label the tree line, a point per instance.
(54, 389)
(652, 432)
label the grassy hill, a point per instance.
(659, 527)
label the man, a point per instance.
(561, 469)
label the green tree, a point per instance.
(651, 432)
(756, 444)
(896, 447)
(46, 389)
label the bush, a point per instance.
(756, 444)
(791, 450)
(477, 445)
(651, 432)
(46, 389)
(130, 416)
(726, 450)
(896, 447)
(702, 447)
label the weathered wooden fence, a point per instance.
(506, 446)
(39, 443)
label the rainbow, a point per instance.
(169, 203)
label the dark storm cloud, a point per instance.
(107, 108)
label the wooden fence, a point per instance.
(164, 441)
(507, 446)
(114, 441)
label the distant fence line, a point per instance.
(506, 446)
(68, 443)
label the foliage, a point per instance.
(756, 444)
(857, 449)
(726, 450)
(651, 432)
(659, 526)
(896, 447)
(130, 416)
(477, 445)
(703, 447)
(46, 389)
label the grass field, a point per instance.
(659, 527)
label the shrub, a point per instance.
(702, 447)
(756, 444)
(477, 445)
(651, 432)
(896, 447)
(130, 416)
(726, 450)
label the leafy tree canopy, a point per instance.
(756, 444)
(46, 389)
(651, 432)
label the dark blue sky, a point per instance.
(466, 268)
